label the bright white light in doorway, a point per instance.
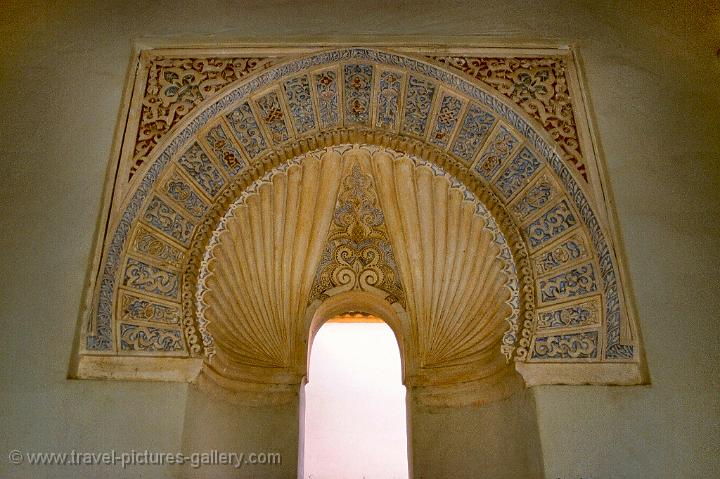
(355, 425)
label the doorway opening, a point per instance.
(355, 423)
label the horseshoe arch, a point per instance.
(464, 193)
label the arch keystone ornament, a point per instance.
(357, 254)
(457, 196)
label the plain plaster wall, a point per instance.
(498, 440)
(214, 424)
(652, 74)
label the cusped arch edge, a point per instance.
(368, 164)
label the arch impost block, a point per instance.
(137, 368)
(618, 373)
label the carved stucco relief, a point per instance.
(566, 300)
(175, 86)
(539, 86)
(357, 218)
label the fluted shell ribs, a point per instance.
(357, 218)
(451, 265)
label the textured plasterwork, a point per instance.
(175, 86)
(375, 95)
(539, 86)
(357, 254)
(329, 223)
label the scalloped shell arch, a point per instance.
(507, 131)
(357, 218)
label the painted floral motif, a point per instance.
(474, 130)
(388, 99)
(169, 221)
(496, 153)
(224, 150)
(537, 196)
(581, 314)
(200, 168)
(144, 277)
(272, 115)
(579, 281)
(539, 86)
(358, 88)
(566, 346)
(518, 173)
(149, 244)
(418, 103)
(445, 121)
(246, 130)
(551, 224)
(177, 85)
(568, 251)
(135, 308)
(148, 338)
(299, 101)
(184, 195)
(358, 254)
(326, 90)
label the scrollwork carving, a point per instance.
(135, 308)
(578, 281)
(388, 98)
(160, 215)
(539, 86)
(551, 224)
(418, 102)
(148, 338)
(150, 244)
(358, 254)
(175, 86)
(574, 315)
(574, 346)
(358, 89)
(570, 250)
(496, 153)
(150, 279)
(299, 101)
(198, 165)
(446, 119)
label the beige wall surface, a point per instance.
(509, 448)
(213, 424)
(652, 73)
